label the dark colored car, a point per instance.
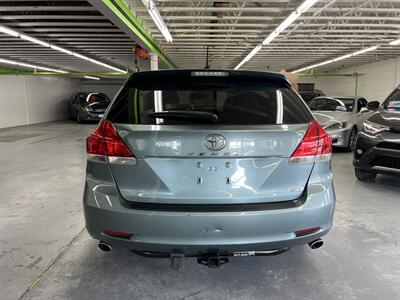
(87, 106)
(377, 148)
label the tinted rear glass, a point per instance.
(330, 104)
(242, 103)
(87, 98)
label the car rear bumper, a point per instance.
(199, 232)
(340, 137)
(377, 155)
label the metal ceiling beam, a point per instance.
(264, 26)
(272, 18)
(63, 24)
(6, 71)
(263, 9)
(120, 15)
(47, 8)
(51, 17)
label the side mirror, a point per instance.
(363, 110)
(340, 108)
(373, 105)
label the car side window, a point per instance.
(392, 103)
(361, 103)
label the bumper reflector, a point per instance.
(307, 231)
(118, 234)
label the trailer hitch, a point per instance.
(212, 262)
(177, 260)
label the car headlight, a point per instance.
(373, 128)
(337, 125)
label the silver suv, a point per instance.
(208, 164)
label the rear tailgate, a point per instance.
(174, 166)
(257, 116)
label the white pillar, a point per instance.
(153, 62)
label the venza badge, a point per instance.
(214, 142)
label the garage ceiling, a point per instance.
(232, 29)
(74, 24)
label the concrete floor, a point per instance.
(46, 254)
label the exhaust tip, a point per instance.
(316, 244)
(103, 246)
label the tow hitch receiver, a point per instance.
(177, 260)
(213, 261)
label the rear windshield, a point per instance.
(212, 104)
(88, 98)
(331, 104)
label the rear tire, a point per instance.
(365, 176)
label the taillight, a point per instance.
(105, 144)
(316, 145)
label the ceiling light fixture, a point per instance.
(26, 37)
(394, 43)
(16, 63)
(285, 24)
(34, 40)
(155, 15)
(9, 31)
(337, 59)
(91, 77)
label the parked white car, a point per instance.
(338, 116)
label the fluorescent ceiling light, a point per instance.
(249, 56)
(8, 31)
(155, 15)
(61, 49)
(365, 50)
(285, 24)
(342, 57)
(34, 40)
(16, 63)
(394, 43)
(337, 59)
(91, 77)
(29, 38)
(306, 5)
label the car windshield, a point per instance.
(90, 98)
(393, 101)
(331, 104)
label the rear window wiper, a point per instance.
(196, 116)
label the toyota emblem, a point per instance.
(214, 142)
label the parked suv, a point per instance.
(377, 149)
(210, 164)
(86, 106)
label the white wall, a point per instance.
(378, 79)
(33, 99)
